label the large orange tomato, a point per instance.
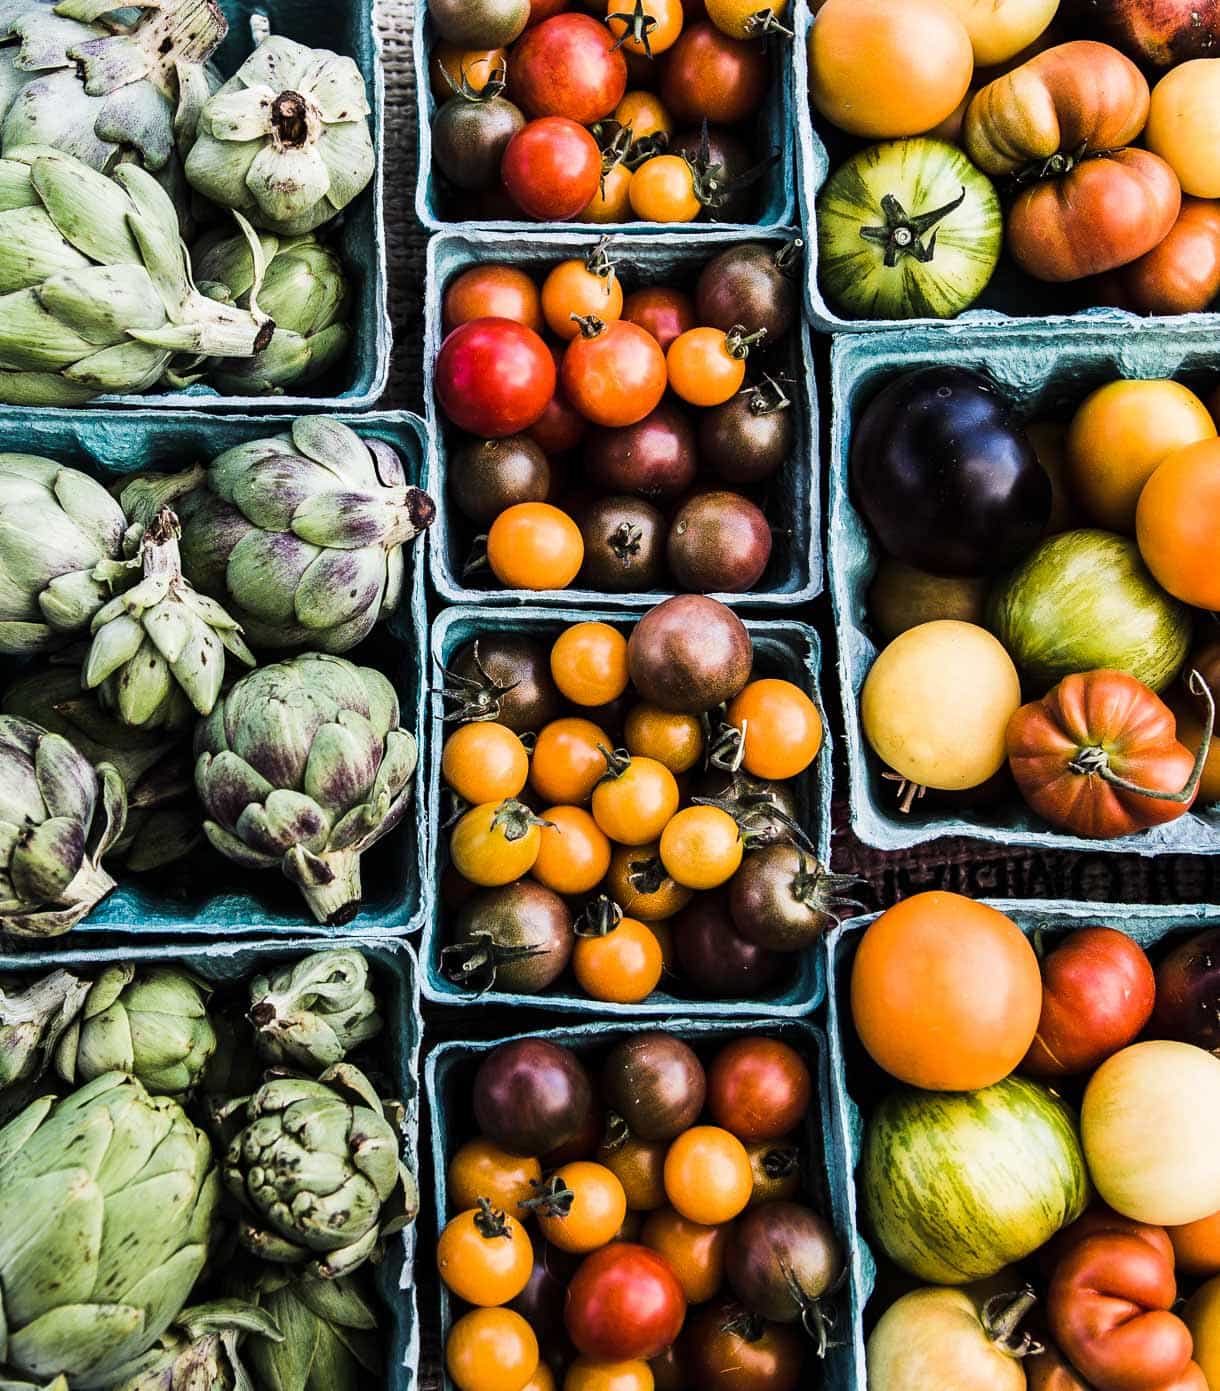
(946, 992)
(1177, 524)
(881, 69)
(1184, 124)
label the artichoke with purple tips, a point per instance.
(314, 1013)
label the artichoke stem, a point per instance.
(338, 902)
(89, 887)
(417, 514)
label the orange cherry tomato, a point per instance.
(707, 1175)
(585, 1375)
(645, 115)
(664, 934)
(1177, 524)
(663, 190)
(662, 312)
(614, 374)
(485, 1256)
(639, 1165)
(581, 1207)
(575, 853)
(652, 26)
(623, 966)
(449, 67)
(701, 847)
(635, 800)
(491, 1350)
(492, 292)
(495, 843)
(643, 888)
(568, 761)
(612, 201)
(746, 19)
(578, 288)
(695, 1253)
(780, 726)
(672, 739)
(485, 762)
(535, 546)
(482, 1170)
(542, 1380)
(707, 366)
(589, 663)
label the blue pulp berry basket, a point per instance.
(794, 574)
(790, 650)
(852, 1085)
(777, 191)
(449, 1070)
(226, 900)
(1047, 374)
(396, 980)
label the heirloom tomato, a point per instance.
(614, 373)
(635, 798)
(726, 1347)
(488, 476)
(552, 169)
(449, 67)
(612, 201)
(494, 377)
(663, 190)
(707, 76)
(639, 1165)
(674, 740)
(624, 1303)
(639, 883)
(1190, 716)
(585, 1374)
(1177, 524)
(475, 23)
(719, 543)
(491, 1350)
(535, 546)
(656, 1083)
(1001, 29)
(580, 1207)
(707, 365)
(568, 66)
(1196, 1246)
(701, 847)
(931, 1338)
(1184, 125)
(758, 1089)
(1156, 33)
(1182, 274)
(644, 114)
(530, 1097)
(484, 1256)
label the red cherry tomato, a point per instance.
(492, 292)
(666, 314)
(624, 1303)
(758, 1089)
(614, 374)
(707, 76)
(552, 169)
(568, 66)
(561, 426)
(494, 377)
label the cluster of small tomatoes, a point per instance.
(610, 111)
(652, 827)
(576, 440)
(1064, 564)
(1081, 136)
(639, 1228)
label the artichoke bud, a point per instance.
(315, 1013)
(201, 1351)
(31, 1022)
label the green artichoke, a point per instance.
(286, 140)
(58, 816)
(300, 536)
(302, 766)
(77, 79)
(158, 650)
(107, 1201)
(7, 1383)
(200, 1351)
(317, 1165)
(314, 1014)
(304, 290)
(96, 292)
(153, 1025)
(330, 1340)
(61, 551)
(31, 1022)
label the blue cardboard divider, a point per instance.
(235, 901)
(1048, 375)
(794, 574)
(790, 650)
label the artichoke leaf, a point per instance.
(348, 156)
(32, 249)
(290, 186)
(103, 302)
(90, 210)
(340, 586)
(46, 859)
(124, 367)
(336, 87)
(336, 446)
(66, 782)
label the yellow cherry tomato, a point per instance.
(568, 761)
(652, 26)
(584, 1375)
(1184, 125)
(663, 190)
(575, 852)
(450, 65)
(635, 800)
(482, 1170)
(491, 1350)
(589, 663)
(707, 366)
(533, 545)
(582, 286)
(673, 739)
(707, 1175)
(542, 1380)
(581, 1207)
(621, 967)
(642, 887)
(612, 201)
(701, 847)
(747, 19)
(485, 1256)
(645, 114)
(495, 843)
(694, 1253)
(485, 762)
(780, 727)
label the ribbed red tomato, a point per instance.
(494, 377)
(624, 1303)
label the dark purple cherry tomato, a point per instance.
(782, 898)
(728, 1348)
(715, 958)
(487, 476)
(724, 160)
(719, 543)
(624, 544)
(531, 1096)
(515, 938)
(654, 457)
(751, 436)
(503, 677)
(1188, 992)
(754, 285)
(656, 1084)
(469, 137)
(689, 654)
(782, 1260)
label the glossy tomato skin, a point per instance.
(654, 458)
(749, 438)
(544, 9)
(624, 1303)
(624, 545)
(662, 312)
(492, 292)
(759, 1089)
(706, 76)
(656, 1084)
(509, 680)
(552, 168)
(614, 374)
(1098, 991)
(1155, 33)
(719, 543)
(717, 960)
(728, 1350)
(1188, 992)
(469, 139)
(531, 1096)
(487, 476)
(1181, 275)
(753, 285)
(568, 66)
(689, 654)
(494, 377)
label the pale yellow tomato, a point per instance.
(1184, 125)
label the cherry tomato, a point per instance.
(589, 663)
(635, 800)
(584, 1375)
(483, 1170)
(612, 201)
(492, 292)
(560, 427)
(575, 853)
(663, 313)
(1177, 524)
(450, 66)
(644, 114)
(695, 1253)
(639, 1166)
(663, 190)
(776, 1167)
(621, 967)
(624, 1303)
(491, 1350)
(534, 545)
(780, 727)
(706, 365)
(730, 1349)
(485, 1256)
(746, 19)
(494, 377)
(568, 761)
(495, 843)
(708, 76)
(542, 1380)
(707, 1175)
(485, 763)
(581, 287)
(552, 169)
(581, 1207)
(672, 739)
(653, 26)
(759, 1089)
(614, 374)
(568, 66)
(701, 847)
(639, 883)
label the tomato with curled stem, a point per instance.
(481, 1169)
(494, 377)
(707, 366)
(580, 1207)
(639, 883)
(449, 67)
(614, 374)
(552, 169)
(612, 201)
(616, 959)
(578, 287)
(568, 761)
(781, 730)
(635, 799)
(495, 843)
(733, 1350)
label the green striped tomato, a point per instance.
(957, 1185)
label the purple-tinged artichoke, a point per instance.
(31, 1022)
(314, 1013)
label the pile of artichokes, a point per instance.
(159, 1231)
(120, 143)
(142, 722)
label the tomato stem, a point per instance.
(1002, 1316)
(491, 1222)
(780, 1161)
(767, 396)
(516, 819)
(763, 22)
(477, 697)
(590, 325)
(639, 26)
(496, 82)
(474, 964)
(553, 1199)
(737, 342)
(618, 761)
(601, 916)
(902, 233)
(908, 792)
